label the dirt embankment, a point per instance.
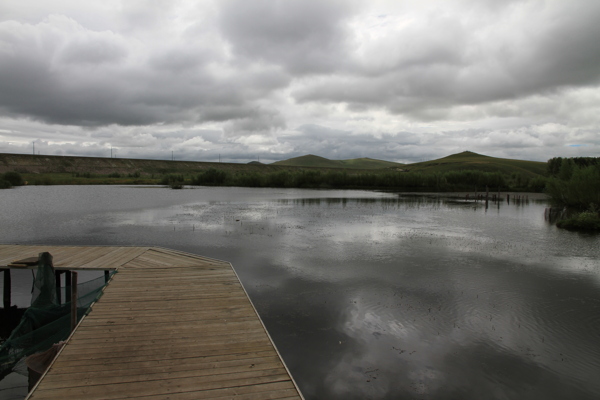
(39, 164)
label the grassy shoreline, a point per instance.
(465, 172)
(465, 181)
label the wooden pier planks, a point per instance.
(169, 325)
(74, 257)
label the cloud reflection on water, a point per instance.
(368, 295)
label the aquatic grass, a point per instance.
(587, 221)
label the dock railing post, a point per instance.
(67, 286)
(58, 291)
(7, 289)
(73, 300)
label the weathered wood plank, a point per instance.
(101, 312)
(153, 319)
(164, 364)
(74, 257)
(156, 304)
(109, 378)
(192, 345)
(234, 351)
(268, 391)
(169, 324)
(162, 387)
(158, 344)
(187, 368)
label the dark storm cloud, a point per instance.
(60, 73)
(401, 81)
(304, 36)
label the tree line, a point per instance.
(446, 181)
(574, 182)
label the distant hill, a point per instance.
(42, 164)
(469, 160)
(321, 162)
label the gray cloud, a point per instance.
(402, 81)
(304, 36)
(439, 62)
(58, 72)
(257, 121)
(95, 48)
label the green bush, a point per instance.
(4, 184)
(14, 178)
(566, 169)
(251, 179)
(311, 178)
(279, 179)
(172, 179)
(211, 177)
(587, 220)
(555, 164)
(578, 192)
(537, 184)
(475, 178)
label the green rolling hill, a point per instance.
(321, 162)
(468, 160)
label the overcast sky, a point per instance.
(396, 80)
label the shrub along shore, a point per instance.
(298, 177)
(574, 184)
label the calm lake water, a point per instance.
(367, 295)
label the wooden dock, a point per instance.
(170, 325)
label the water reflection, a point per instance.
(375, 295)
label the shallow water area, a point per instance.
(368, 294)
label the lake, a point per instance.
(367, 294)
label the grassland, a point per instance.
(468, 160)
(463, 171)
(67, 170)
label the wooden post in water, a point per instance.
(487, 196)
(7, 289)
(73, 300)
